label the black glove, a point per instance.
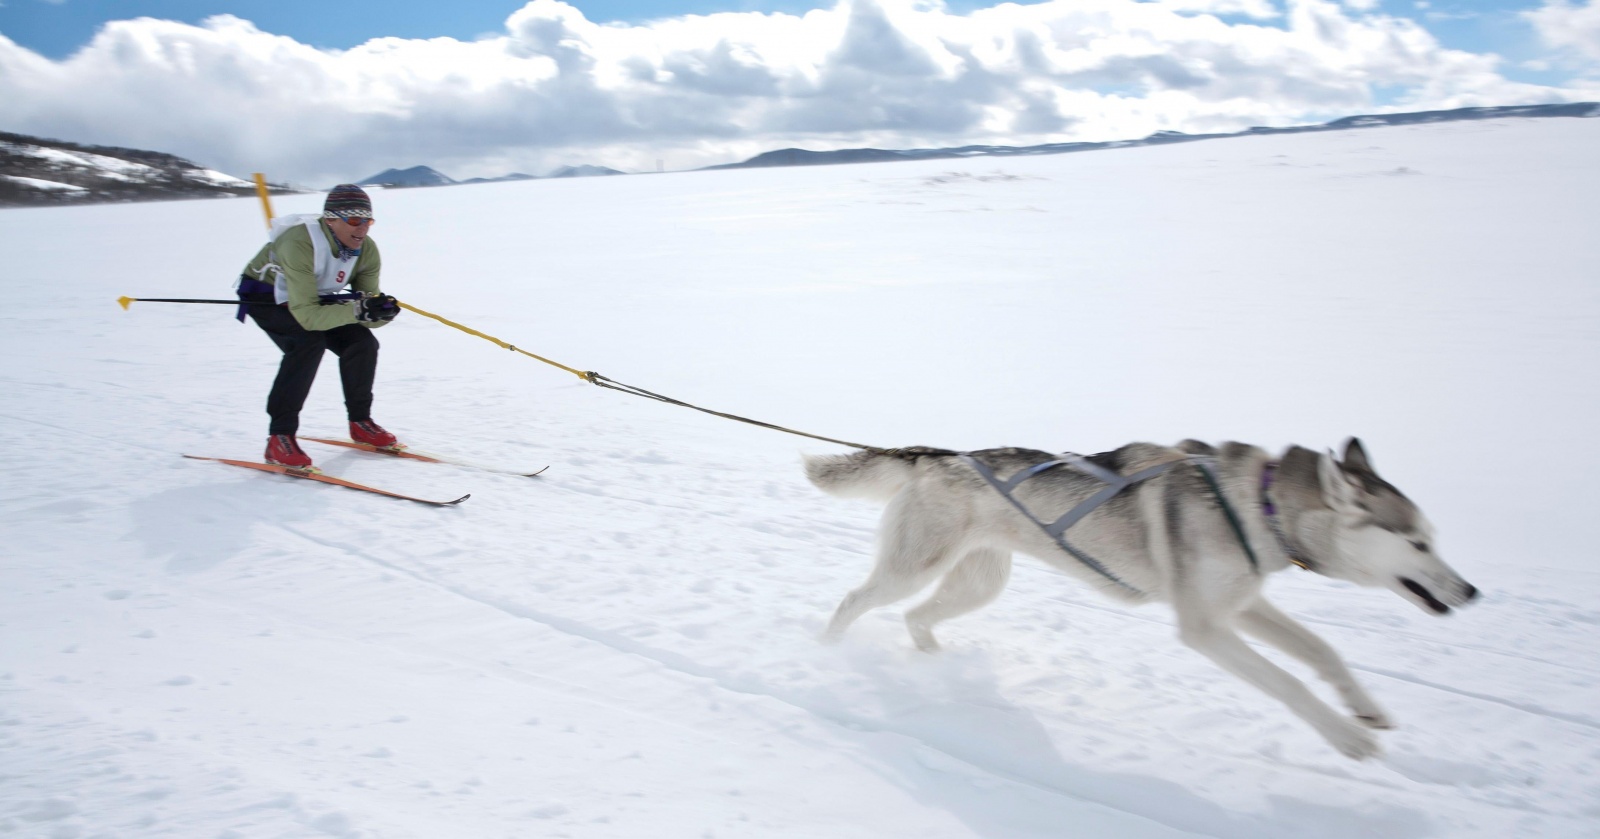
(378, 307)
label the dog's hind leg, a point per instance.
(880, 589)
(917, 546)
(1221, 644)
(976, 580)
(1264, 621)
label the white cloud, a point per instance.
(1248, 8)
(556, 88)
(1565, 26)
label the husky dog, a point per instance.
(1203, 544)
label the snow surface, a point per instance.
(108, 167)
(213, 177)
(37, 183)
(625, 646)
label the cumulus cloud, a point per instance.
(556, 88)
(1565, 26)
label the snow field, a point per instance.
(625, 647)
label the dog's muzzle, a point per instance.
(1468, 594)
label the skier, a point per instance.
(314, 287)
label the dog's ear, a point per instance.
(1338, 491)
(1355, 456)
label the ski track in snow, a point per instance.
(625, 646)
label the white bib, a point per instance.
(332, 273)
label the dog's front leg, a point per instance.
(1221, 644)
(1265, 621)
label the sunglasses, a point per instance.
(357, 221)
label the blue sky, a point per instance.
(301, 89)
(58, 27)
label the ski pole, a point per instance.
(339, 298)
(124, 301)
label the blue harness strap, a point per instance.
(1114, 484)
(1057, 529)
(1208, 468)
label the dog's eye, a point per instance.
(1419, 545)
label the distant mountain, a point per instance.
(34, 171)
(415, 176)
(584, 171)
(428, 176)
(514, 176)
(803, 157)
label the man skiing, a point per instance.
(314, 287)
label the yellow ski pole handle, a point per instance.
(490, 338)
(266, 202)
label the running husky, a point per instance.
(1201, 535)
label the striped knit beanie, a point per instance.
(347, 201)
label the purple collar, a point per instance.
(1268, 474)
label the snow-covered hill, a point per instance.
(428, 176)
(582, 171)
(39, 171)
(625, 646)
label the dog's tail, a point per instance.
(871, 474)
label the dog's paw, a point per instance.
(923, 637)
(1352, 740)
(1365, 709)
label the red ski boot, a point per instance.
(371, 433)
(283, 450)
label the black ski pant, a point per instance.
(354, 344)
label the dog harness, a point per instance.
(1114, 485)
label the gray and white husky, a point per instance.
(1167, 538)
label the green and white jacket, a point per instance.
(301, 262)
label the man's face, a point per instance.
(350, 232)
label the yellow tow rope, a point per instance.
(596, 379)
(588, 377)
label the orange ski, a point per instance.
(403, 452)
(313, 474)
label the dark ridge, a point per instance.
(804, 157)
